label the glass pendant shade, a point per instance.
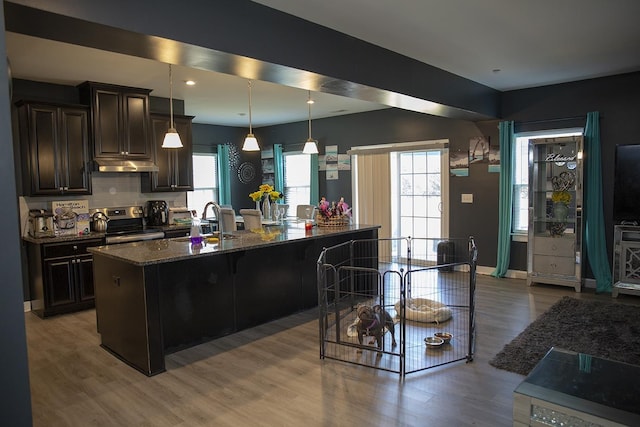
(310, 147)
(250, 143)
(171, 138)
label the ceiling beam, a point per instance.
(251, 41)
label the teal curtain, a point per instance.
(224, 175)
(594, 232)
(314, 181)
(505, 199)
(278, 168)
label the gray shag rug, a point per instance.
(602, 329)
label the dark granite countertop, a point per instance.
(63, 239)
(169, 250)
(92, 235)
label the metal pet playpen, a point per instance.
(423, 286)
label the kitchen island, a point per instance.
(160, 296)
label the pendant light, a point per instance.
(310, 146)
(250, 142)
(171, 138)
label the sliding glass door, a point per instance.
(419, 190)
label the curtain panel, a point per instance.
(594, 231)
(278, 167)
(372, 192)
(224, 175)
(506, 197)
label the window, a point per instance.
(520, 223)
(205, 181)
(420, 207)
(297, 180)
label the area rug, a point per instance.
(603, 329)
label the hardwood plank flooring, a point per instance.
(272, 375)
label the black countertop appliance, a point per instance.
(157, 212)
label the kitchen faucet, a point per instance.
(215, 208)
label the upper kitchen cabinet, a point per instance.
(120, 120)
(55, 148)
(175, 165)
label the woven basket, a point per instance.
(334, 221)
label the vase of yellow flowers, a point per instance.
(265, 195)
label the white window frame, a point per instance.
(287, 198)
(521, 177)
(197, 203)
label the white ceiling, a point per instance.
(531, 43)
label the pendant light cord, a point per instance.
(171, 97)
(309, 104)
(250, 129)
(309, 121)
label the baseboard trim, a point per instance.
(27, 306)
(511, 274)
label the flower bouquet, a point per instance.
(333, 214)
(266, 190)
(267, 194)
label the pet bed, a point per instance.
(425, 310)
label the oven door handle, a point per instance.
(135, 237)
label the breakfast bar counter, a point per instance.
(160, 296)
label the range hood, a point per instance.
(109, 165)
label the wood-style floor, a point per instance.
(272, 375)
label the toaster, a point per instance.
(41, 223)
(180, 216)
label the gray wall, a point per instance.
(617, 98)
(15, 404)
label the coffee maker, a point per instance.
(157, 212)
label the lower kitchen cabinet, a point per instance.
(61, 276)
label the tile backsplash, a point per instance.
(110, 189)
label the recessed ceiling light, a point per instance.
(190, 82)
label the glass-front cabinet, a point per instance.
(554, 253)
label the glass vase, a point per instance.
(266, 209)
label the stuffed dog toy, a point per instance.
(371, 322)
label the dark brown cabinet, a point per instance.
(61, 276)
(175, 165)
(55, 148)
(119, 119)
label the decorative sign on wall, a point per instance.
(479, 149)
(234, 155)
(246, 172)
(494, 160)
(458, 163)
(331, 161)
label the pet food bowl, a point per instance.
(433, 342)
(444, 336)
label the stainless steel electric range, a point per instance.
(126, 224)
